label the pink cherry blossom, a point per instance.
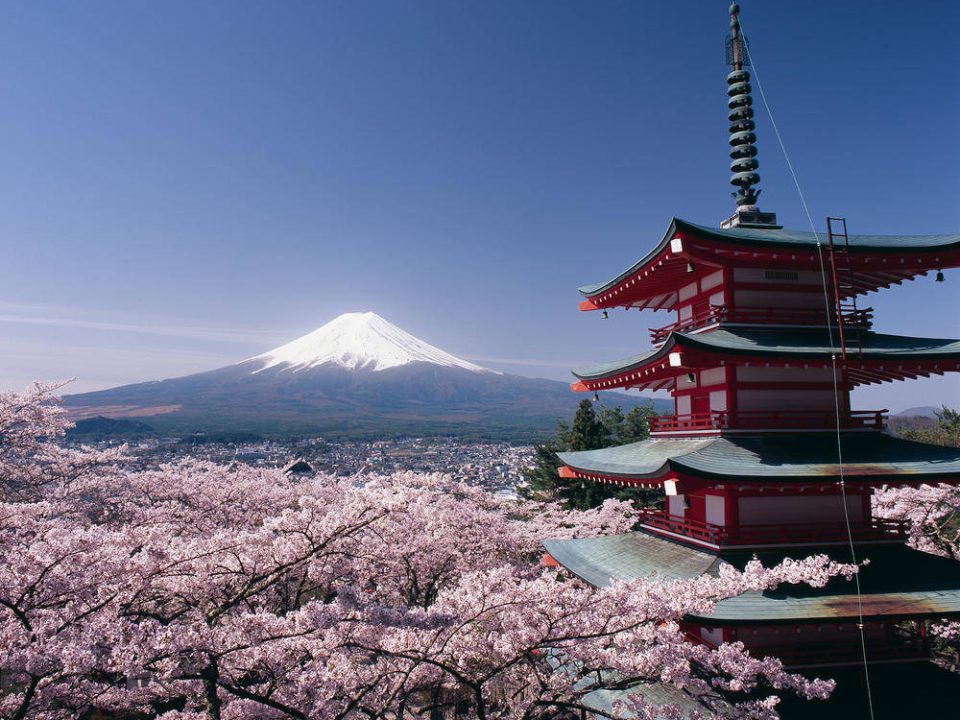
(208, 591)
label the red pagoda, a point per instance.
(764, 455)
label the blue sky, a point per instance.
(186, 184)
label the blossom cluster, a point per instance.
(221, 591)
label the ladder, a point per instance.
(844, 289)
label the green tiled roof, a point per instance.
(782, 237)
(781, 457)
(655, 693)
(782, 342)
(898, 691)
(765, 237)
(897, 582)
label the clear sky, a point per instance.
(186, 184)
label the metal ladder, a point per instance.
(843, 287)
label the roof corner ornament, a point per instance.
(743, 152)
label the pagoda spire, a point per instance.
(743, 151)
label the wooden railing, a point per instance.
(768, 420)
(776, 533)
(859, 319)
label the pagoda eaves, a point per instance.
(686, 248)
(896, 583)
(780, 458)
(882, 357)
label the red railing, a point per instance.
(860, 319)
(768, 420)
(776, 533)
(680, 423)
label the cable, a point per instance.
(833, 363)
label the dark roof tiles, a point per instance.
(814, 343)
(867, 456)
(897, 581)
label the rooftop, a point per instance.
(897, 582)
(912, 254)
(796, 343)
(869, 457)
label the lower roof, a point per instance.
(897, 691)
(867, 457)
(898, 582)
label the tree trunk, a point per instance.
(211, 678)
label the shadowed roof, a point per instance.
(781, 342)
(794, 456)
(897, 581)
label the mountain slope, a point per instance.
(359, 341)
(358, 375)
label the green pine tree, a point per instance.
(946, 430)
(590, 430)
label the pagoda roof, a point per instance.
(897, 582)
(781, 343)
(778, 243)
(798, 457)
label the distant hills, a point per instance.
(924, 411)
(357, 376)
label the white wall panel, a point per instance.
(715, 509)
(711, 280)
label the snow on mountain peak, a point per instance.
(359, 341)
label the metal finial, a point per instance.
(743, 152)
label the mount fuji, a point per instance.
(358, 341)
(357, 376)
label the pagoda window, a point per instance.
(713, 376)
(712, 636)
(779, 399)
(718, 401)
(753, 373)
(799, 509)
(677, 505)
(777, 276)
(716, 509)
(711, 280)
(687, 292)
(790, 298)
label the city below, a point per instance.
(496, 467)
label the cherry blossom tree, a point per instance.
(933, 512)
(221, 591)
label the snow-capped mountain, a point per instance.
(359, 341)
(358, 375)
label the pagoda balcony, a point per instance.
(719, 536)
(724, 314)
(759, 420)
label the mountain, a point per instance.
(924, 411)
(359, 341)
(357, 376)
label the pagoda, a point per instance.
(764, 455)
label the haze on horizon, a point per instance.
(186, 185)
